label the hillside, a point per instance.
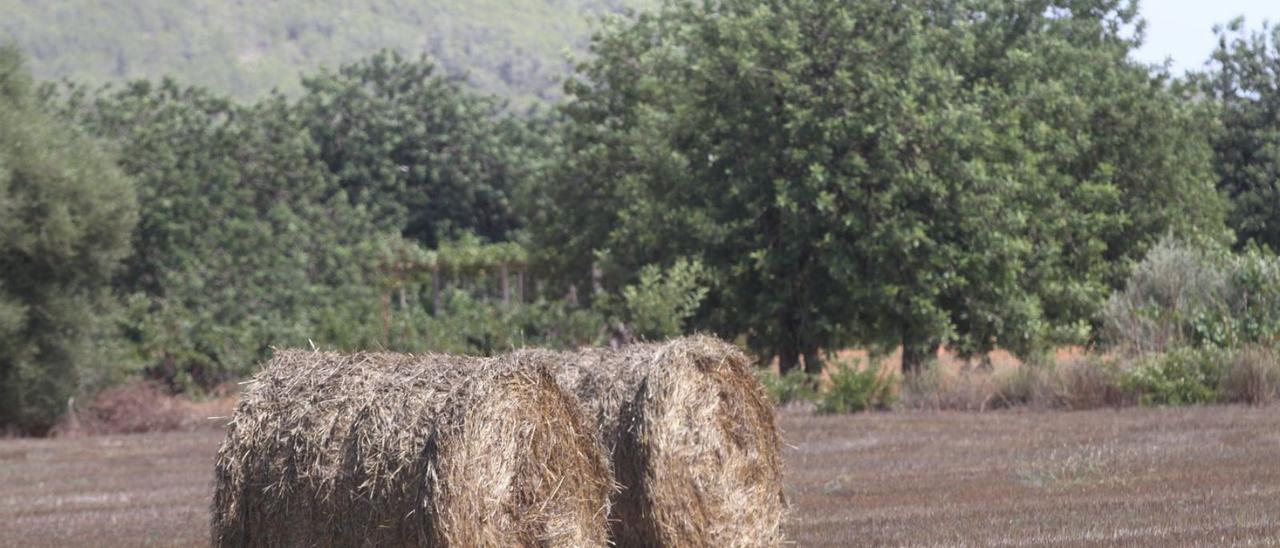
(513, 48)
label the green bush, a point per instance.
(853, 390)
(794, 386)
(1183, 295)
(657, 307)
(1185, 376)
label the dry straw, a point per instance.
(693, 439)
(381, 449)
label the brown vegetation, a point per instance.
(1137, 477)
(129, 409)
(394, 449)
(1203, 476)
(693, 436)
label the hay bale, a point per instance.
(380, 449)
(693, 440)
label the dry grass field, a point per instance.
(1146, 477)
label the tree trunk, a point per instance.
(812, 362)
(917, 351)
(788, 359)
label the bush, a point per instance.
(794, 386)
(1252, 376)
(853, 390)
(1185, 376)
(128, 409)
(1084, 383)
(933, 389)
(657, 307)
(1181, 295)
(1023, 386)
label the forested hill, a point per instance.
(514, 48)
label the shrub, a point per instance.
(794, 386)
(1084, 383)
(853, 390)
(1185, 376)
(932, 388)
(1021, 387)
(1252, 376)
(1181, 295)
(1169, 298)
(657, 307)
(128, 409)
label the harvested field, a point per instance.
(1152, 477)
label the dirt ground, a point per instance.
(1154, 477)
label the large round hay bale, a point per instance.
(373, 449)
(693, 440)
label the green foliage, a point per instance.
(426, 157)
(854, 389)
(244, 237)
(657, 306)
(66, 213)
(796, 385)
(515, 48)
(1183, 295)
(882, 173)
(1184, 376)
(1244, 83)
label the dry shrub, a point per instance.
(1084, 383)
(1252, 376)
(693, 437)
(129, 409)
(379, 449)
(933, 389)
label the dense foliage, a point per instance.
(66, 213)
(883, 173)
(796, 175)
(1245, 86)
(420, 153)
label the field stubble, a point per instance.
(1153, 477)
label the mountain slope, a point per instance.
(514, 48)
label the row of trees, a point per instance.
(800, 175)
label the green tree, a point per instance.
(1244, 84)
(66, 213)
(245, 241)
(1109, 157)
(884, 173)
(424, 155)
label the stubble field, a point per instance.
(1154, 477)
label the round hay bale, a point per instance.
(693, 440)
(380, 449)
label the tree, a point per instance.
(976, 173)
(425, 156)
(66, 213)
(1244, 85)
(246, 241)
(1109, 157)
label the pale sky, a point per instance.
(1183, 29)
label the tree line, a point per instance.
(797, 175)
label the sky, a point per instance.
(1183, 29)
